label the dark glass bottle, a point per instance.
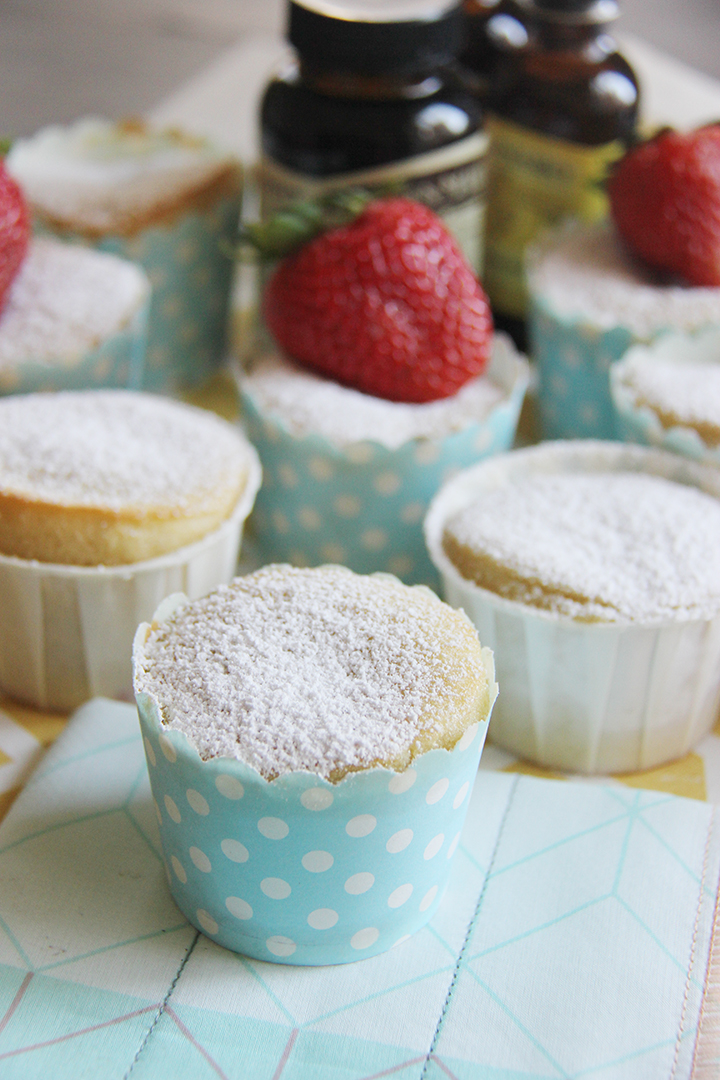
(376, 104)
(563, 108)
(482, 52)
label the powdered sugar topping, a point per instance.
(322, 670)
(65, 301)
(306, 403)
(688, 391)
(116, 449)
(585, 273)
(607, 546)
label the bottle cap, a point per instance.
(573, 11)
(376, 37)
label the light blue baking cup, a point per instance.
(299, 870)
(573, 358)
(639, 423)
(117, 362)
(362, 505)
(191, 276)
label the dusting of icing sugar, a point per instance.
(91, 173)
(689, 392)
(322, 670)
(65, 301)
(606, 546)
(584, 273)
(116, 449)
(306, 403)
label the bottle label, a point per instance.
(534, 181)
(451, 181)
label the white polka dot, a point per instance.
(387, 483)
(157, 812)
(316, 798)
(461, 795)
(179, 869)
(167, 748)
(359, 453)
(399, 841)
(273, 828)
(317, 862)
(437, 791)
(365, 938)
(428, 898)
(347, 506)
(426, 452)
(309, 518)
(400, 565)
(434, 846)
(288, 476)
(468, 737)
(411, 513)
(167, 875)
(281, 523)
(402, 782)
(401, 940)
(483, 439)
(207, 922)
(239, 908)
(359, 883)
(320, 468)
(229, 786)
(322, 918)
(200, 859)
(150, 753)
(234, 850)
(171, 807)
(334, 553)
(374, 539)
(275, 888)
(198, 803)
(400, 896)
(281, 946)
(362, 825)
(453, 844)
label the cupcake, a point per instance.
(590, 300)
(73, 319)
(161, 198)
(348, 476)
(312, 736)
(668, 394)
(109, 501)
(593, 570)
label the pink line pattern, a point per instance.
(16, 1001)
(286, 1053)
(76, 1034)
(191, 1039)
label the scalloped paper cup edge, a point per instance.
(586, 697)
(66, 632)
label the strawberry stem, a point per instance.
(296, 224)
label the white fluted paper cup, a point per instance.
(587, 697)
(66, 632)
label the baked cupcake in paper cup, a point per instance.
(73, 319)
(312, 737)
(163, 198)
(593, 571)
(668, 394)
(109, 501)
(590, 301)
(347, 477)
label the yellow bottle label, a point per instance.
(451, 181)
(534, 181)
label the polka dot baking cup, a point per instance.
(362, 504)
(298, 870)
(586, 697)
(191, 276)
(640, 423)
(66, 632)
(116, 362)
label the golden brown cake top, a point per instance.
(614, 546)
(321, 670)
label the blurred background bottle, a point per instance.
(372, 99)
(562, 107)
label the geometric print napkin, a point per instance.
(575, 940)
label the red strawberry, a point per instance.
(386, 304)
(14, 230)
(665, 199)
